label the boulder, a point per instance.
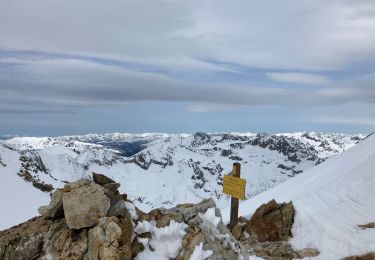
(55, 208)
(272, 222)
(75, 185)
(101, 179)
(103, 240)
(84, 206)
(118, 209)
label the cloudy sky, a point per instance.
(71, 67)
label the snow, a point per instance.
(199, 253)
(331, 200)
(254, 257)
(131, 209)
(209, 221)
(165, 241)
(19, 200)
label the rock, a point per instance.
(112, 186)
(124, 196)
(84, 206)
(103, 240)
(42, 186)
(125, 240)
(27, 240)
(55, 208)
(66, 243)
(219, 240)
(279, 250)
(75, 185)
(185, 205)
(308, 252)
(101, 179)
(113, 196)
(368, 256)
(118, 209)
(187, 213)
(165, 220)
(272, 222)
(136, 248)
(237, 231)
(22, 247)
(368, 225)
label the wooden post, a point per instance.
(236, 172)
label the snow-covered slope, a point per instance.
(162, 170)
(331, 200)
(18, 199)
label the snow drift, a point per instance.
(331, 200)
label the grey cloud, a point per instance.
(77, 83)
(312, 34)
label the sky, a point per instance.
(75, 67)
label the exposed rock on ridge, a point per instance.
(92, 220)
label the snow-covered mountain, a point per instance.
(162, 170)
(333, 201)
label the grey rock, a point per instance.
(84, 206)
(118, 209)
(75, 185)
(55, 208)
(104, 240)
(220, 241)
(187, 213)
(101, 179)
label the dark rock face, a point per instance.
(198, 175)
(101, 179)
(31, 165)
(293, 149)
(200, 138)
(272, 222)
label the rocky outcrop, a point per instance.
(101, 179)
(84, 206)
(92, 220)
(272, 222)
(74, 225)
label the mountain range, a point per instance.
(162, 170)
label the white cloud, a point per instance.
(293, 34)
(299, 78)
(210, 107)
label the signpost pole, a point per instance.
(236, 172)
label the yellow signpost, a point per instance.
(234, 186)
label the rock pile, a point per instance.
(84, 220)
(92, 220)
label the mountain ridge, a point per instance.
(170, 169)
